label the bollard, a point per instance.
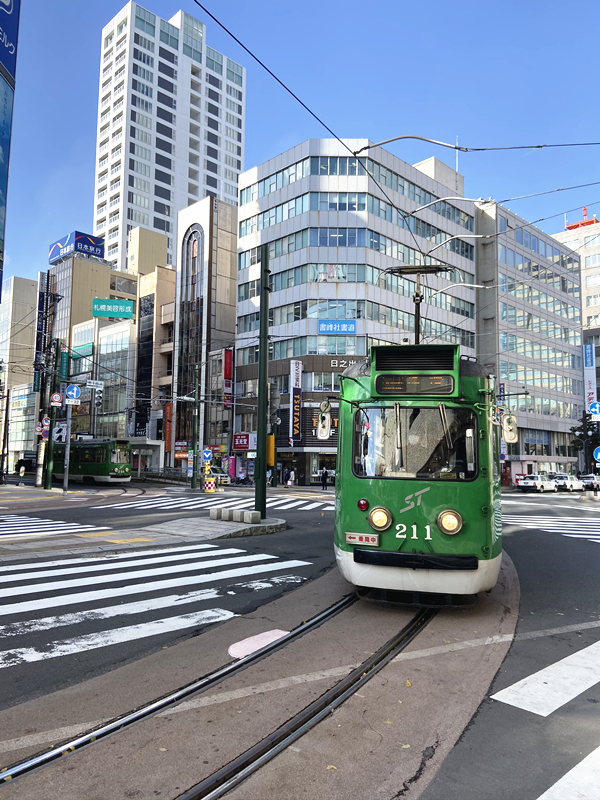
(215, 513)
(238, 515)
(226, 514)
(209, 485)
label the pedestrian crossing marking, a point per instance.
(167, 503)
(13, 525)
(552, 687)
(137, 595)
(571, 527)
(581, 782)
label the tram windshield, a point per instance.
(396, 441)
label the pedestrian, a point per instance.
(324, 475)
(291, 479)
(286, 478)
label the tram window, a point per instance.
(119, 456)
(395, 441)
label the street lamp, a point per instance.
(419, 138)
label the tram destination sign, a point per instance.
(414, 384)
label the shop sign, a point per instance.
(342, 363)
(244, 441)
(295, 431)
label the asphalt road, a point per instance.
(511, 752)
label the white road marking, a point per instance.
(92, 641)
(79, 568)
(552, 687)
(94, 580)
(579, 783)
(139, 607)
(291, 505)
(106, 559)
(144, 588)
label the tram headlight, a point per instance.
(449, 522)
(379, 518)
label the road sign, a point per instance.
(46, 422)
(73, 392)
(595, 417)
(206, 455)
(56, 399)
(45, 433)
(594, 408)
(597, 454)
(95, 384)
(72, 401)
(59, 434)
(39, 427)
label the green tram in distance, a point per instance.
(418, 517)
(95, 461)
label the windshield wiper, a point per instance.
(444, 418)
(398, 432)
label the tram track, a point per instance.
(148, 710)
(239, 769)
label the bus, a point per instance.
(417, 514)
(95, 461)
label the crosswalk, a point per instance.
(571, 527)
(169, 503)
(74, 605)
(545, 692)
(12, 525)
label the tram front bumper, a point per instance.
(384, 570)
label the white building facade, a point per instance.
(331, 234)
(170, 126)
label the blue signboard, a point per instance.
(337, 326)
(588, 355)
(76, 242)
(594, 408)
(9, 32)
(597, 454)
(73, 392)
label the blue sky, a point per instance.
(492, 74)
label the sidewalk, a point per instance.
(164, 534)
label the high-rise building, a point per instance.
(170, 126)
(584, 238)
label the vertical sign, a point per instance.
(227, 377)
(168, 424)
(589, 375)
(295, 400)
(9, 30)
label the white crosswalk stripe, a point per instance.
(88, 604)
(571, 527)
(24, 527)
(167, 503)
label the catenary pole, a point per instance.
(260, 472)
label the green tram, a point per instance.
(95, 461)
(418, 499)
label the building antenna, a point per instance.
(565, 220)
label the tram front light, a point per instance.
(379, 518)
(363, 504)
(449, 522)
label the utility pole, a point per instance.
(260, 480)
(67, 450)
(54, 383)
(4, 456)
(195, 431)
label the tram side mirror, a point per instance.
(509, 429)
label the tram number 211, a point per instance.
(402, 529)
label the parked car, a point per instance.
(569, 483)
(537, 483)
(591, 481)
(222, 478)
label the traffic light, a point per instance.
(98, 397)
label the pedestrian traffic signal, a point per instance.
(98, 397)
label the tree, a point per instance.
(587, 438)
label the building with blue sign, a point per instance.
(332, 234)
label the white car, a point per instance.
(591, 481)
(537, 483)
(569, 483)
